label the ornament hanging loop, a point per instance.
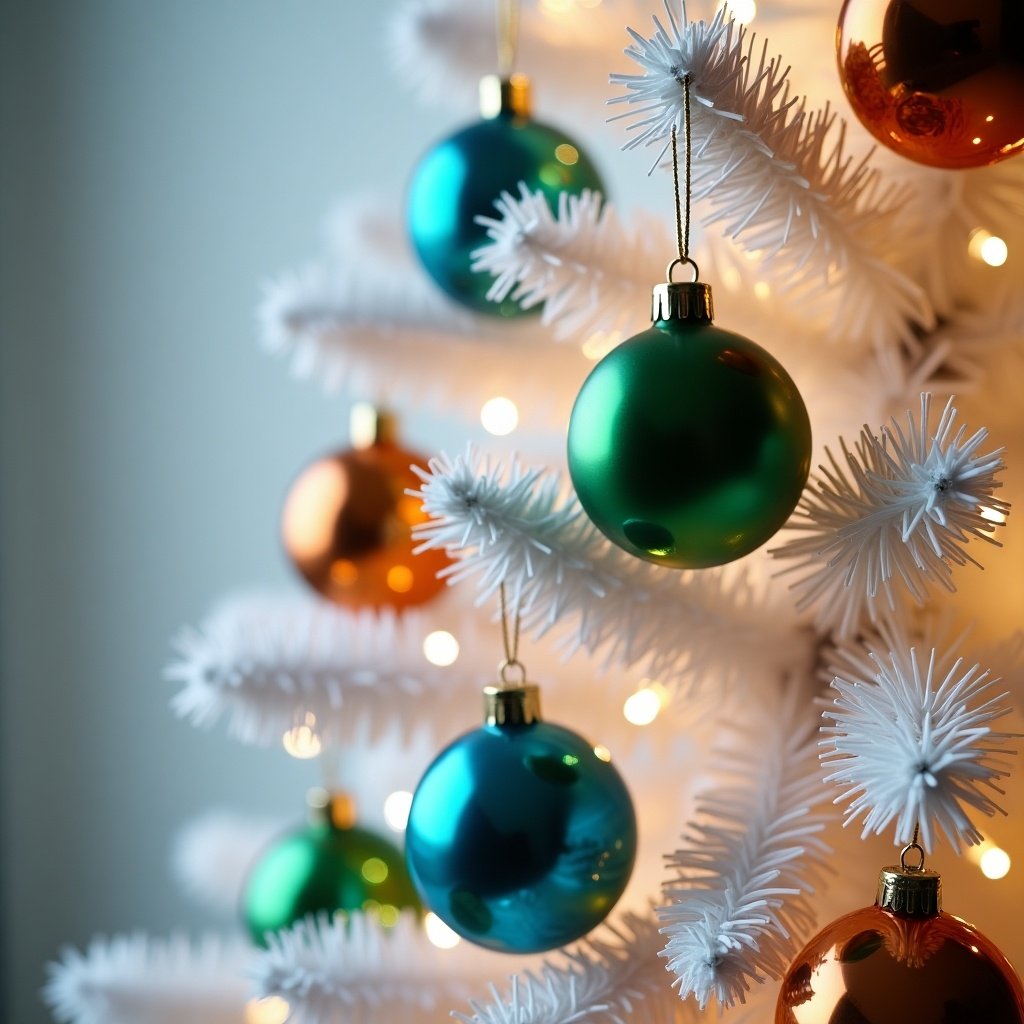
(682, 262)
(908, 849)
(511, 670)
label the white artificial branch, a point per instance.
(271, 664)
(512, 525)
(616, 978)
(739, 903)
(912, 742)
(352, 969)
(901, 509)
(134, 979)
(590, 272)
(775, 175)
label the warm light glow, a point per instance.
(762, 290)
(642, 707)
(306, 530)
(600, 343)
(993, 515)
(602, 753)
(396, 810)
(362, 425)
(988, 248)
(389, 915)
(556, 6)
(271, 1010)
(344, 572)
(499, 416)
(742, 11)
(731, 278)
(566, 154)
(990, 118)
(374, 870)
(439, 933)
(440, 648)
(976, 141)
(995, 863)
(301, 740)
(400, 579)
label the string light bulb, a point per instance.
(499, 416)
(440, 648)
(301, 740)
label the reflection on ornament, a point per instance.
(347, 525)
(329, 866)
(901, 960)
(459, 179)
(521, 838)
(688, 445)
(938, 81)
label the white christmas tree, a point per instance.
(847, 637)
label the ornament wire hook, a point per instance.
(913, 845)
(682, 197)
(507, 15)
(511, 645)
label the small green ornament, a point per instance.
(689, 445)
(328, 866)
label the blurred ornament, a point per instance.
(327, 866)
(347, 524)
(460, 178)
(938, 81)
(901, 960)
(689, 445)
(521, 837)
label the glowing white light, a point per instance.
(762, 290)
(439, 933)
(988, 248)
(742, 11)
(642, 707)
(271, 1010)
(602, 753)
(995, 863)
(499, 416)
(396, 809)
(301, 740)
(440, 648)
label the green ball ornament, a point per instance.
(326, 867)
(459, 179)
(688, 445)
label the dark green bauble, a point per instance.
(689, 445)
(326, 867)
(459, 180)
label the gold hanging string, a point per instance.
(511, 644)
(914, 845)
(507, 12)
(682, 196)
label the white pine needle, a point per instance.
(617, 980)
(902, 509)
(739, 907)
(776, 176)
(134, 979)
(512, 526)
(271, 664)
(213, 853)
(913, 744)
(590, 272)
(353, 971)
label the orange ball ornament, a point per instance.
(939, 81)
(901, 960)
(347, 527)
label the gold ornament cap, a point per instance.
(683, 300)
(336, 809)
(505, 97)
(512, 705)
(909, 890)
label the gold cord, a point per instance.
(507, 12)
(682, 197)
(511, 644)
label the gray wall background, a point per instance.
(159, 159)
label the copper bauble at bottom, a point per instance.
(939, 81)
(347, 527)
(877, 967)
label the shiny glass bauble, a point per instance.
(323, 868)
(877, 967)
(689, 445)
(347, 527)
(521, 838)
(938, 81)
(459, 179)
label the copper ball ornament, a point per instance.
(938, 81)
(347, 527)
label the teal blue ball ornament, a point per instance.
(460, 178)
(521, 837)
(688, 445)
